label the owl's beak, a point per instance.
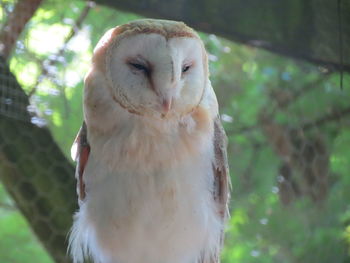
(166, 104)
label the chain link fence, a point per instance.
(288, 125)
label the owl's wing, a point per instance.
(222, 182)
(80, 153)
(221, 172)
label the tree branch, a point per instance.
(333, 116)
(290, 97)
(7, 206)
(283, 99)
(23, 11)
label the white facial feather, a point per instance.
(164, 61)
(149, 178)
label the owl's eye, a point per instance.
(185, 68)
(140, 67)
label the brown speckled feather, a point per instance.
(82, 155)
(222, 182)
(221, 170)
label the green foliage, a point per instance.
(257, 91)
(17, 242)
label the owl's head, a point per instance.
(153, 67)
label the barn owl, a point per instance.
(152, 170)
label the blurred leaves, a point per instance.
(267, 101)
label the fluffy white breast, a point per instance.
(149, 192)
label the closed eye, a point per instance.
(186, 68)
(140, 67)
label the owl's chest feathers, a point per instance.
(140, 143)
(158, 185)
(165, 164)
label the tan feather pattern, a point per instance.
(222, 182)
(221, 170)
(80, 153)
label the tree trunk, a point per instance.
(34, 170)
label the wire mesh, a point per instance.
(287, 123)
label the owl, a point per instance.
(152, 169)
